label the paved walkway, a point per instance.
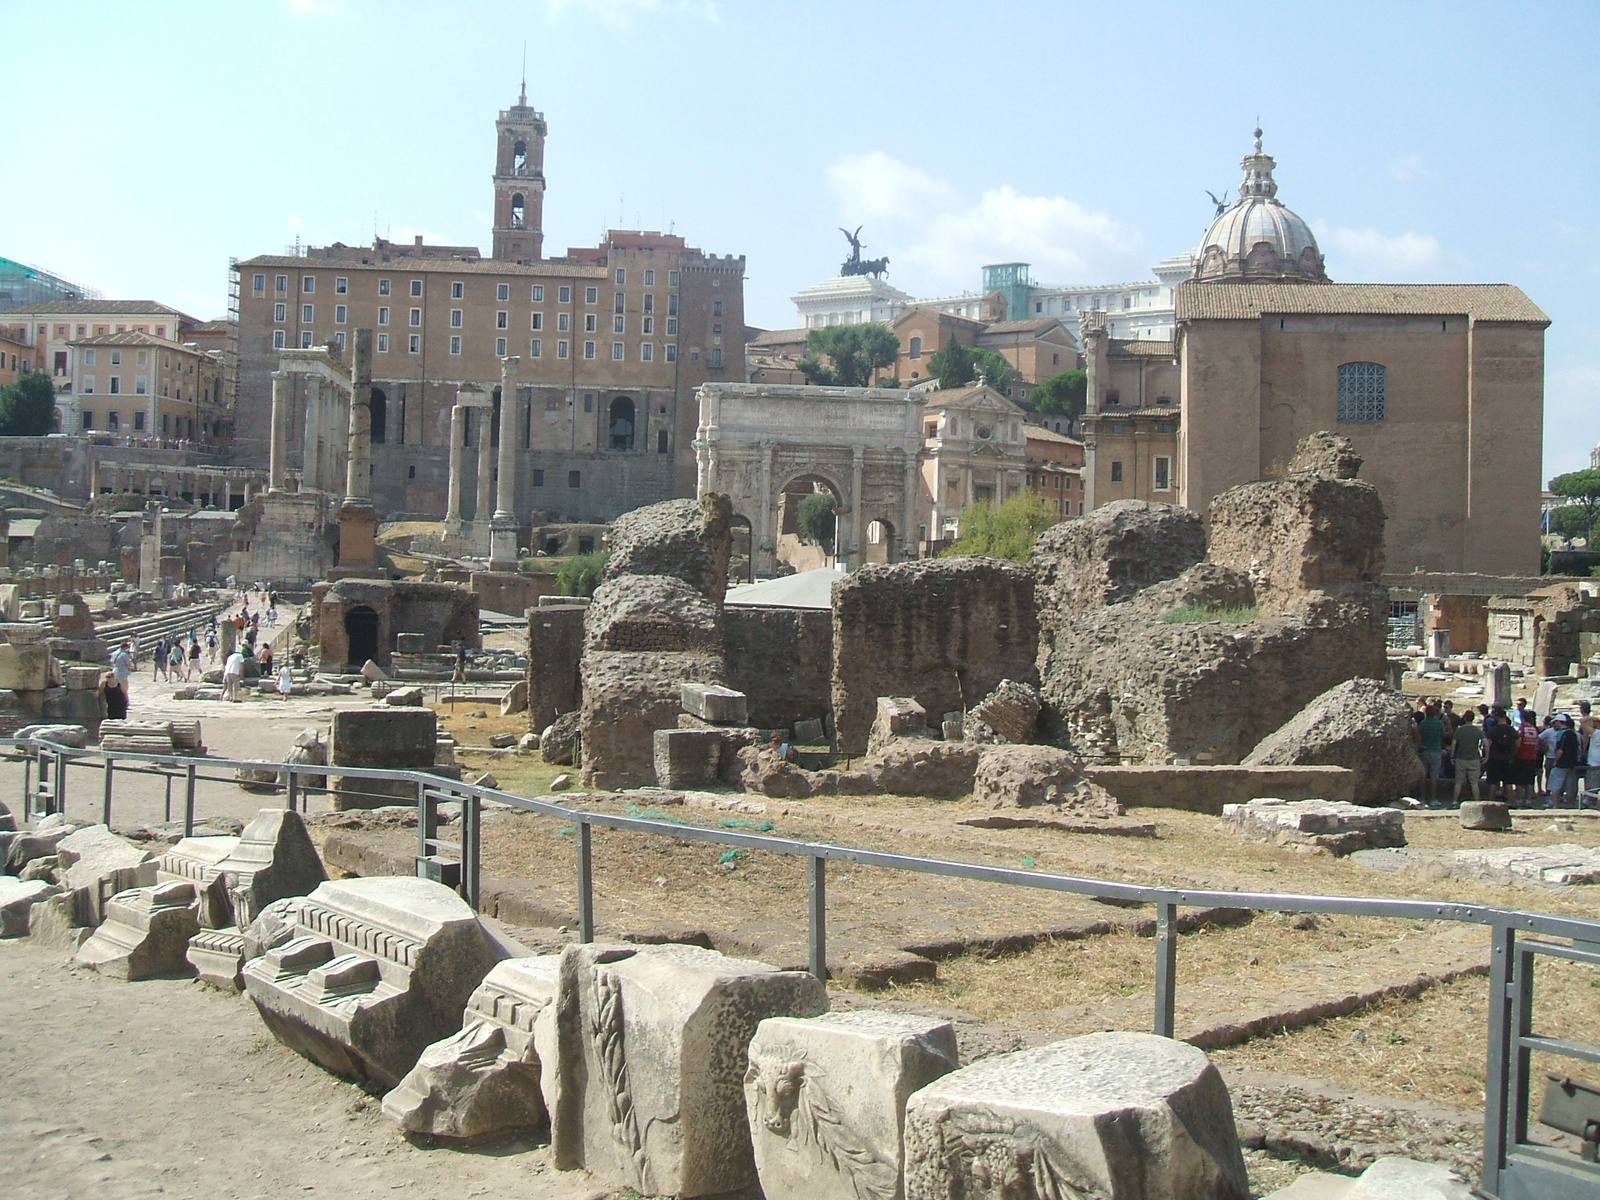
(166, 1088)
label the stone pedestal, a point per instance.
(826, 1099)
(145, 933)
(1111, 1114)
(485, 1078)
(374, 971)
(1497, 686)
(646, 1079)
(358, 541)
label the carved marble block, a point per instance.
(195, 860)
(239, 876)
(826, 1097)
(145, 933)
(645, 1076)
(376, 969)
(275, 858)
(217, 956)
(96, 865)
(1121, 1116)
(486, 1077)
(17, 898)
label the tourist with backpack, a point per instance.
(1525, 770)
(1503, 739)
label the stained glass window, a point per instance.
(1363, 391)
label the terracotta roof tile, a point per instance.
(1249, 301)
(1141, 348)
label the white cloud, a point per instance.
(1409, 168)
(875, 187)
(941, 239)
(1367, 253)
(623, 15)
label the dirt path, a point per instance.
(167, 1088)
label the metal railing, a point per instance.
(1513, 1167)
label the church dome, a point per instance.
(1258, 240)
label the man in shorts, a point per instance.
(1430, 747)
(1468, 745)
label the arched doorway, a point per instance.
(808, 523)
(620, 424)
(361, 636)
(380, 419)
(880, 547)
(741, 566)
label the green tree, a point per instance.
(1582, 486)
(1066, 394)
(816, 521)
(957, 366)
(1008, 531)
(28, 406)
(580, 575)
(1570, 521)
(854, 354)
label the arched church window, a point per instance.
(1363, 391)
(621, 423)
(518, 215)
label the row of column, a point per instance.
(500, 496)
(217, 486)
(326, 424)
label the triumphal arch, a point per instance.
(766, 444)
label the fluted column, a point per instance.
(458, 427)
(312, 444)
(281, 382)
(503, 530)
(358, 519)
(485, 505)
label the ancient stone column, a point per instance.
(503, 529)
(312, 454)
(908, 531)
(858, 512)
(358, 519)
(485, 505)
(281, 382)
(94, 478)
(458, 426)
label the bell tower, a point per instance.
(519, 182)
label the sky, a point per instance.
(1422, 141)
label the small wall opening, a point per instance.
(361, 635)
(380, 420)
(620, 424)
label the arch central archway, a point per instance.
(808, 540)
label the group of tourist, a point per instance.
(177, 659)
(1512, 755)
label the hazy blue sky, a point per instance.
(148, 142)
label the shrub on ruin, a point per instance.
(1195, 614)
(580, 575)
(1006, 531)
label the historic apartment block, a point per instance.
(612, 341)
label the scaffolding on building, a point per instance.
(22, 284)
(230, 354)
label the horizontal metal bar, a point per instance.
(1560, 1046)
(1579, 952)
(439, 844)
(1425, 910)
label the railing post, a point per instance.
(167, 775)
(585, 884)
(105, 802)
(818, 937)
(27, 788)
(427, 819)
(188, 800)
(291, 794)
(472, 823)
(1166, 967)
(61, 782)
(1497, 1072)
